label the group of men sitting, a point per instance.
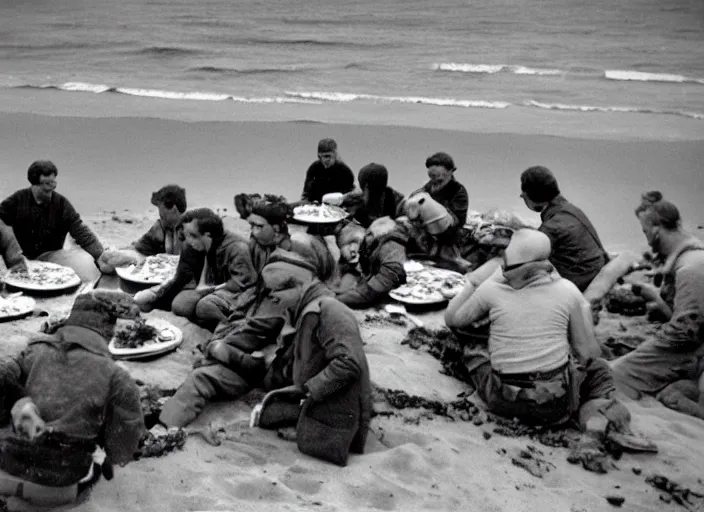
(277, 304)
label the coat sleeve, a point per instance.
(458, 207)
(241, 270)
(363, 296)
(8, 210)
(338, 335)
(150, 243)
(80, 232)
(185, 272)
(308, 184)
(124, 422)
(346, 180)
(9, 246)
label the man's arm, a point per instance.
(581, 330)
(151, 243)
(241, 270)
(308, 183)
(8, 209)
(10, 247)
(682, 330)
(124, 421)
(459, 206)
(338, 333)
(471, 304)
(346, 179)
(80, 232)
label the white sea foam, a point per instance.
(469, 68)
(340, 97)
(640, 76)
(593, 108)
(83, 87)
(523, 70)
(173, 95)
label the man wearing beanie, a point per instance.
(269, 230)
(577, 252)
(544, 364)
(327, 174)
(230, 369)
(375, 199)
(78, 394)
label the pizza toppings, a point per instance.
(155, 269)
(319, 213)
(428, 284)
(43, 275)
(15, 306)
(134, 334)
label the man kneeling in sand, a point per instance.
(74, 398)
(544, 363)
(673, 353)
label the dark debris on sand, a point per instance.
(672, 491)
(152, 398)
(157, 445)
(623, 301)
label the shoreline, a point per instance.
(515, 120)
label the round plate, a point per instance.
(416, 267)
(412, 300)
(73, 280)
(153, 348)
(317, 219)
(127, 273)
(21, 307)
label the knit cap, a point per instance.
(327, 146)
(99, 310)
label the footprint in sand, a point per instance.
(297, 479)
(262, 489)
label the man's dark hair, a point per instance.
(170, 196)
(442, 159)
(206, 220)
(662, 213)
(41, 168)
(539, 184)
(374, 176)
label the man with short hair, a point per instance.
(217, 260)
(672, 354)
(438, 211)
(41, 218)
(166, 235)
(327, 174)
(269, 231)
(577, 252)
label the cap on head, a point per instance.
(327, 146)
(373, 176)
(539, 184)
(275, 213)
(314, 250)
(286, 269)
(98, 310)
(527, 245)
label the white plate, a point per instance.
(312, 218)
(24, 305)
(127, 273)
(73, 281)
(407, 299)
(151, 349)
(415, 267)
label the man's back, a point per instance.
(577, 252)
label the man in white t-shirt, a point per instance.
(543, 364)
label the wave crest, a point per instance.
(491, 69)
(640, 76)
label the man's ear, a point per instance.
(277, 228)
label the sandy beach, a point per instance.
(112, 153)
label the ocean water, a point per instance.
(596, 55)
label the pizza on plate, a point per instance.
(42, 274)
(155, 269)
(319, 213)
(429, 285)
(15, 306)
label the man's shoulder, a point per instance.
(342, 166)
(234, 242)
(691, 262)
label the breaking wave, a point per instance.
(495, 68)
(319, 97)
(640, 76)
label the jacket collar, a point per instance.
(553, 205)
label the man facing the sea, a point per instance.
(577, 252)
(41, 218)
(673, 352)
(327, 174)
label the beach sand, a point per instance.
(110, 161)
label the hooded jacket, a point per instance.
(80, 391)
(382, 255)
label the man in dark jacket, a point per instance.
(41, 218)
(327, 365)
(230, 366)
(79, 392)
(375, 199)
(327, 174)
(217, 260)
(381, 258)
(577, 252)
(166, 235)
(10, 250)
